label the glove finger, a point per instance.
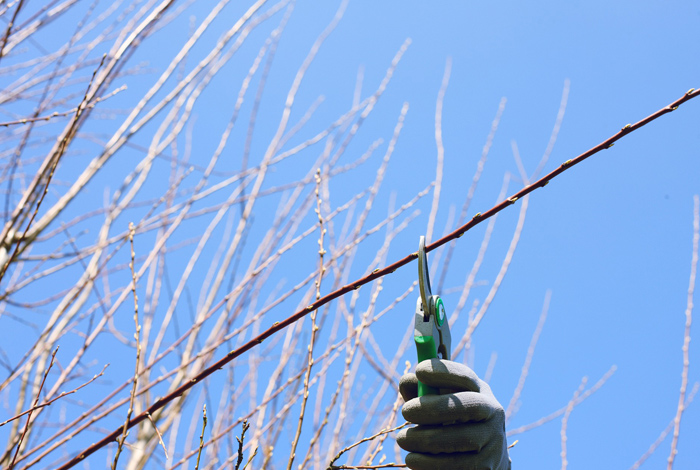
(408, 386)
(457, 461)
(461, 407)
(471, 437)
(448, 374)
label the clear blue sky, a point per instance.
(611, 238)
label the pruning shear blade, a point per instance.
(432, 331)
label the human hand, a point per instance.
(463, 428)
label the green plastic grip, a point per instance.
(425, 345)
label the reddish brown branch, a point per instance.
(377, 273)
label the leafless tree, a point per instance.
(129, 233)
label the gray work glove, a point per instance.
(463, 428)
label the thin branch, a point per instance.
(565, 422)
(662, 437)
(561, 411)
(160, 436)
(361, 441)
(511, 409)
(686, 335)
(240, 444)
(255, 452)
(466, 339)
(472, 188)
(314, 327)
(29, 417)
(201, 436)
(62, 114)
(137, 330)
(440, 149)
(10, 25)
(58, 397)
(490, 367)
(555, 130)
(391, 420)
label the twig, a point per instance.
(561, 411)
(470, 280)
(255, 452)
(201, 436)
(314, 327)
(322, 232)
(511, 410)
(10, 25)
(440, 149)
(383, 431)
(268, 456)
(565, 422)
(472, 188)
(652, 448)
(686, 335)
(160, 436)
(137, 330)
(240, 444)
(392, 417)
(555, 130)
(65, 113)
(465, 342)
(29, 417)
(377, 273)
(47, 403)
(490, 367)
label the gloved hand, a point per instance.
(463, 428)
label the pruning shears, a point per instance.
(432, 331)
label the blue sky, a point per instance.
(610, 238)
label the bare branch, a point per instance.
(565, 422)
(137, 331)
(201, 436)
(29, 416)
(686, 334)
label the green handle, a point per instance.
(425, 345)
